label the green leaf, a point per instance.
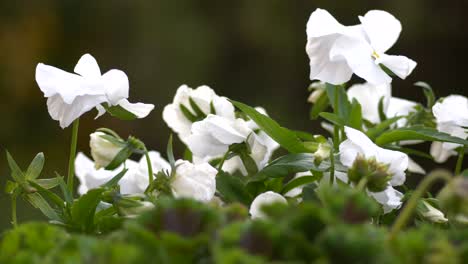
(35, 168)
(232, 188)
(115, 180)
(64, 188)
(415, 133)
(39, 202)
(428, 92)
(382, 115)
(170, 152)
(11, 187)
(304, 135)
(196, 109)
(333, 118)
(298, 182)
(46, 193)
(375, 131)
(355, 116)
(309, 193)
(84, 208)
(285, 137)
(47, 183)
(338, 100)
(191, 117)
(16, 172)
(120, 158)
(285, 165)
(319, 106)
(410, 151)
(119, 112)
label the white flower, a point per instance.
(71, 95)
(359, 143)
(103, 151)
(262, 200)
(194, 181)
(204, 97)
(369, 95)
(212, 136)
(452, 118)
(337, 51)
(433, 214)
(135, 180)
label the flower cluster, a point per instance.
(230, 156)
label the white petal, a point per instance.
(398, 162)
(322, 23)
(141, 110)
(415, 167)
(116, 85)
(439, 153)
(67, 113)
(390, 199)
(382, 29)
(53, 81)
(175, 119)
(368, 96)
(400, 107)
(100, 111)
(453, 109)
(194, 181)
(358, 55)
(357, 143)
(88, 67)
(262, 200)
(399, 65)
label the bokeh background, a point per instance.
(251, 51)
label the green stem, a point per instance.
(71, 161)
(408, 210)
(14, 220)
(461, 155)
(150, 167)
(362, 184)
(223, 159)
(332, 168)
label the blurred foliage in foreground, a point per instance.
(185, 231)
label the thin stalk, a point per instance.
(223, 159)
(14, 220)
(461, 155)
(362, 184)
(150, 167)
(408, 210)
(332, 168)
(71, 161)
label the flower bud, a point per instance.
(103, 151)
(377, 173)
(429, 212)
(323, 152)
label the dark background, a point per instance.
(248, 50)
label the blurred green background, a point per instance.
(251, 51)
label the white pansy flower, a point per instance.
(337, 51)
(205, 98)
(135, 180)
(262, 200)
(71, 95)
(358, 143)
(452, 118)
(103, 151)
(194, 181)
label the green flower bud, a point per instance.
(377, 173)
